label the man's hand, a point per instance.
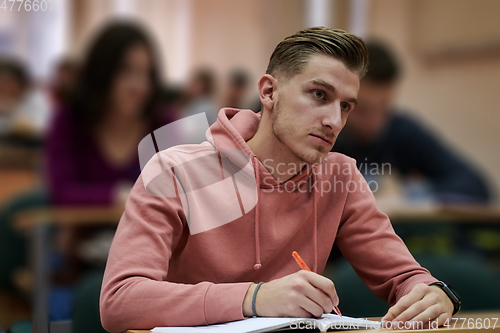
(423, 304)
(294, 295)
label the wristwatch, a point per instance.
(455, 299)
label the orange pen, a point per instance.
(303, 266)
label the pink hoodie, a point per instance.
(186, 254)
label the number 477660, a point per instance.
(28, 5)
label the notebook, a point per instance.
(327, 322)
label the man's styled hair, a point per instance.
(292, 54)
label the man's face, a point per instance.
(311, 108)
(372, 112)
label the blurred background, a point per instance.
(82, 82)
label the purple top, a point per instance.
(76, 170)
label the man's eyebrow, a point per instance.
(353, 100)
(328, 86)
(323, 83)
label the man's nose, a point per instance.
(333, 119)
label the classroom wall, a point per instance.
(230, 33)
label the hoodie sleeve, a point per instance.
(369, 243)
(135, 293)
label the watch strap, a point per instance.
(455, 299)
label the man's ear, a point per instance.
(267, 87)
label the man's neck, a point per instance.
(276, 157)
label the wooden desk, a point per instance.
(81, 215)
(479, 316)
(404, 213)
(18, 156)
(15, 181)
(74, 216)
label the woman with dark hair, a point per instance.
(92, 145)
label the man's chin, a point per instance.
(314, 158)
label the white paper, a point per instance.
(266, 324)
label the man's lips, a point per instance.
(324, 138)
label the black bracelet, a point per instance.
(254, 298)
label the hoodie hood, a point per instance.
(228, 135)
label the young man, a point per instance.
(196, 237)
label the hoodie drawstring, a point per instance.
(256, 219)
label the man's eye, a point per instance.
(345, 106)
(319, 94)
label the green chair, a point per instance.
(23, 326)
(86, 317)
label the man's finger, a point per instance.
(415, 295)
(311, 307)
(431, 313)
(319, 297)
(390, 315)
(397, 309)
(325, 284)
(412, 312)
(418, 307)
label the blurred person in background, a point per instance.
(92, 145)
(62, 82)
(175, 97)
(24, 116)
(236, 89)
(200, 93)
(24, 109)
(377, 132)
